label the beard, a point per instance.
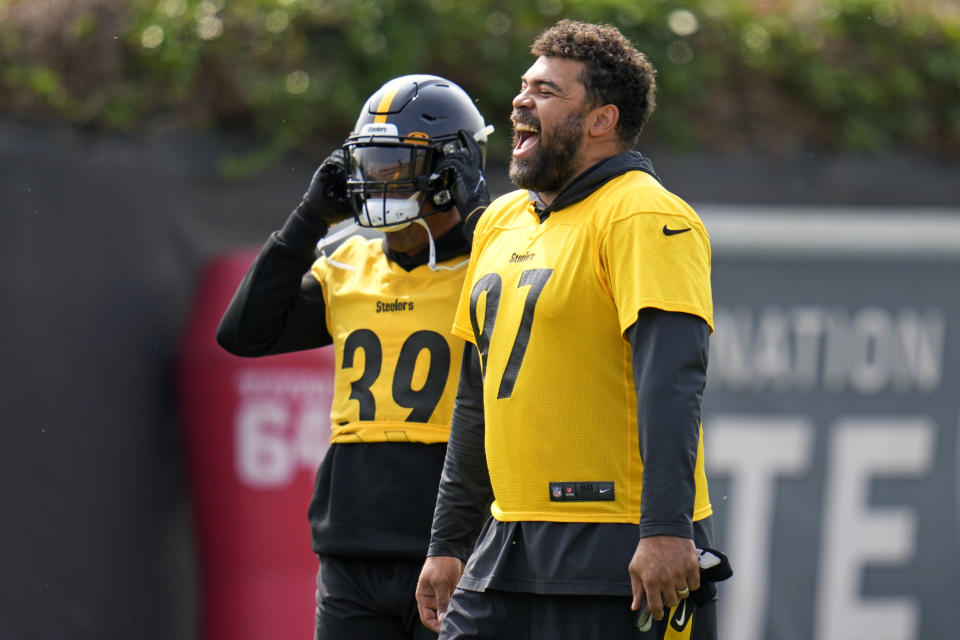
(553, 164)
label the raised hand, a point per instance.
(325, 200)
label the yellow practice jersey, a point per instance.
(397, 364)
(548, 303)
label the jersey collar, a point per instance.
(592, 179)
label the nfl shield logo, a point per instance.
(556, 491)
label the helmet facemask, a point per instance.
(388, 178)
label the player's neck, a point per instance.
(413, 239)
(592, 152)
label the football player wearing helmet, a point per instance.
(413, 168)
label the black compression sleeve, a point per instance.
(300, 235)
(465, 495)
(669, 373)
(277, 308)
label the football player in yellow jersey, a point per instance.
(413, 168)
(588, 305)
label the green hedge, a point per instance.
(782, 76)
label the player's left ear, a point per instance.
(603, 120)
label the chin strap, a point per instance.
(432, 262)
(352, 227)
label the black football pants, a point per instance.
(506, 615)
(361, 599)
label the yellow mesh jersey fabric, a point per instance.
(397, 363)
(553, 300)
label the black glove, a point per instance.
(714, 568)
(458, 176)
(323, 204)
(325, 201)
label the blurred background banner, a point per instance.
(148, 481)
(832, 417)
(255, 430)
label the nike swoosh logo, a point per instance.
(681, 619)
(673, 232)
(604, 490)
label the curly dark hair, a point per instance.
(614, 71)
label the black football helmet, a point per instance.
(404, 129)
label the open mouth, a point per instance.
(526, 136)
